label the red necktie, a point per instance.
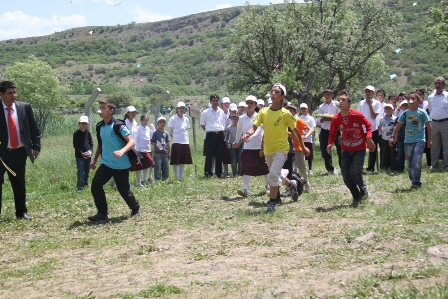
(12, 128)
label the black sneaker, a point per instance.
(135, 211)
(355, 203)
(364, 193)
(97, 217)
(271, 207)
(294, 191)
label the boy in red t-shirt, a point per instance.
(353, 146)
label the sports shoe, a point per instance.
(243, 192)
(294, 191)
(415, 186)
(310, 172)
(135, 211)
(355, 203)
(268, 189)
(139, 185)
(369, 172)
(286, 193)
(364, 193)
(271, 207)
(97, 217)
(307, 187)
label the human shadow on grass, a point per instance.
(264, 204)
(404, 190)
(333, 208)
(113, 220)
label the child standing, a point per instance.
(82, 142)
(386, 129)
(161, 142)
(143, 148)
(276, 120)
(351, 123)
(414, 140)
(235, 153)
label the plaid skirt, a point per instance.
(146, 161)
(252, 164)
(310, 146)
(180, 154)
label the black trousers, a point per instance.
(121, 177)
(389, 156)
(214, 143)
(16, 161)
(323, 141)
(372, 155)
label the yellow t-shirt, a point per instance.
(275, 125)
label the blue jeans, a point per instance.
(161, 166)
(352, 163)
(235, 159)
(414, 154)
(83, 166)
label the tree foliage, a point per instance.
(37, 84)
(333, 44)
(438, 26)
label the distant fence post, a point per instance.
(194, 113)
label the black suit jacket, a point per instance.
(29, 131)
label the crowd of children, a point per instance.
(278, 143)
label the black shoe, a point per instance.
(97, 217)
(24, 216)
(355, 203)
(135, 211)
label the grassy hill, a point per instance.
(186, 55)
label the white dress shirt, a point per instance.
(244, 124)
(213, 120)
(309, 120)
(178, 127)
(438, 105)
(363, 107)
(325, 108)
(143, 139)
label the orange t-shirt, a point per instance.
(301, 126)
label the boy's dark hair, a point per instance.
(382, 91)
(345, 93)
(415, 94)
(5, 85)
(401, 94)
(109, 103)
(143, 116)
(422, 90)
(391, 96)
(214, 96)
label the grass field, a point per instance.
(199, 239)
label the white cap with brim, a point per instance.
(404, 102)
(225, 100)
(260, 102)
(233, 107)
(304, 105)
(242, 104)
(370, 87)
(84, 119)
(130, 109)
(251, 98)
(281, 87)
(180, 104)
(161, 118)
(388, 105)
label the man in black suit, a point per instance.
(19, 138)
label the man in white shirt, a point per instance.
(213, 121)
(371, 109)
(438, 112)
(328, 107)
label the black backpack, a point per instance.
(300, 182)
(118, 126)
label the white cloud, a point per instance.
(18, 24)
(143, 15)
(222, 6)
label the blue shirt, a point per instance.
(415, 125)
(111, 143)
(163, 138)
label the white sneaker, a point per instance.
(138, 185)
(268, 189)
(310, 172)
(243, 192)
(369, 172)
(307, 187)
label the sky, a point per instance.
(26, 18)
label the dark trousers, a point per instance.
(235, 160)
(389, 155)
(372, 155)
(16, 161)
(288, 164)
(83, 166)
(400, 155)
(323, 141)
(352, 165)
(214, 148)
(121, 177)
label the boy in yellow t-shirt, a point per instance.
(276, 120)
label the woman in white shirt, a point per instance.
(178, 125)
(132, 125)
(143, 148)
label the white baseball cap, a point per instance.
(225, 100)
(370, 87)
(260, 102)
(281, 87)
(161, 118)
(251, 98)
(83, 119)
(304, 105)
(233, 107)
(388, 105)
(242, 104)
(130, 109)
(180, 104)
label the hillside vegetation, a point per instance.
(186, 55)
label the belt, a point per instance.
(440, 120)
(14, 149)
(219, 132)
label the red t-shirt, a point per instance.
(353, 137)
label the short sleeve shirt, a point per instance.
(111, 143)
(415, 125)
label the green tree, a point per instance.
(38, 85)
(438, 26)
(334, 44)
(121, 98)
